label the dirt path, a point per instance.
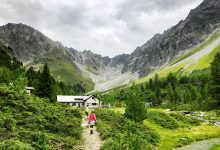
(91, 142)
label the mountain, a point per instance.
(159, 51)
(162, 48)
(34, 49)
(71, 66)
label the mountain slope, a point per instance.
(162, 48)
(34, 49)
(71, 66)
(198, 58)
(158, 51)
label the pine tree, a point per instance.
(172, 79)
(176, 96)
(170, 93)
(142, 88)
(194, 92)
(135, 108)
(187, 96)
(44, 87)
(156, 81)
(151, 84)
(215, 72)
(31, 76)
(158, 92)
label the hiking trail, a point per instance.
(91, 142)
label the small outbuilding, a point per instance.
(80, 101)
(29, 90)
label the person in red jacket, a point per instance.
(92, 120)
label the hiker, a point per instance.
(92, 119)
(86, 113)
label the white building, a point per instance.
(79, 101)
(29, 90)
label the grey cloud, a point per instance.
(72, 15)
(106, 27)
(134, 8)
(28, 10)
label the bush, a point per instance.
(123, 133)
(38, 122)
(162, 119)
(184, 141)
(15, 145)
(7, 122)
(185, 119)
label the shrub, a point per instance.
(184, 141)
(123, 133)
(37, 122)
(15, 145)
(185, 119)
(7, 122)
(162, 119)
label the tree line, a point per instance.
(197, 91)
(12, 70)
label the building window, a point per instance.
(79, 99)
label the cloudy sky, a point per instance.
(106, 27)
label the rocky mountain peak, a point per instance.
(30, 45)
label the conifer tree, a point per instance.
(194, 92)
(156, 81)
(215, 71)
(44, 86)
(172, 79)
(170, 93)
(187, 96)
(135, 108)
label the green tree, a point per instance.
(156, 80)
(187, 96)
(215, 72)
(31, 76)
(44, 87)
(135, 108)
(151, 84)
(172, 79)
(194, 92)
(122, 95)
(170, 93)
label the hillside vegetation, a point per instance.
(30, 122)
(160, 129)
(34, 123)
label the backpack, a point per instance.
(92, 117)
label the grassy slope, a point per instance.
(63, 69)
(170, 138)
(198, 48)
(183, 135)
(177, 64)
